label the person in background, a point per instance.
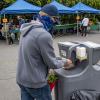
(35, 17)
(21, 20)
(1, 31)
(11, 36)
(11, 23)
(57, 21)
(85, 23)
(36, 56)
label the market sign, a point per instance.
(5, 20)
(78, 17)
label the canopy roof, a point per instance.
(61, 8)
(80, 7)
(21, 6)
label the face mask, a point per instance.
(47, 22)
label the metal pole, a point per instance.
(0, 18)
(77, 25)
(5, 29)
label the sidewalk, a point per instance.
(8, 61)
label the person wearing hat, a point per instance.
(36, 56)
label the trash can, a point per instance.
(85, 74)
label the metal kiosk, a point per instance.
(85, 74)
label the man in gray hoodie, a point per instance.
(36, 56)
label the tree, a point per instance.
(70, 3)
(5, 3)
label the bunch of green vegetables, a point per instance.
(52, 78)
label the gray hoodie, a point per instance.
(36, 56)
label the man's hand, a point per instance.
(69, 61)
(68, 64)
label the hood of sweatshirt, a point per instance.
(25, 28)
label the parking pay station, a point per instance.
(86, 72)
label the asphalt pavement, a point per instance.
(8, 62)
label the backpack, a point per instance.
(85, 95)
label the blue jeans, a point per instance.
(43, 93)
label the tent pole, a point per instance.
(0, 18)
(5, 29)
(77, 25)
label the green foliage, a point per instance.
(92, 3)
(5, 3)
(39, 2)
(70, 3)
(95, 20)
(52, 78)
(9, 1)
